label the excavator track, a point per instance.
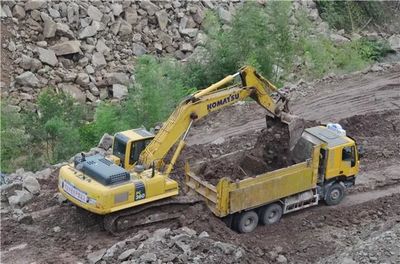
(159, 211)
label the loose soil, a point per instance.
(6, 55)
(270, 151)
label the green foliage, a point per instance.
(14, 139)
(321, 56)
(31, 140)
(352, 15)
(372, 49)
(56, 127)
(159, 87)
(256, 37)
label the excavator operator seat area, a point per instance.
(129, 144)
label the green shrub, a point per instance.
(256, 37)
(372, 49)
(51, 135)
(353, 15)
(14, 139)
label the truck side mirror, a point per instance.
(361, 151)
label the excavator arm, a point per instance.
(213, 98)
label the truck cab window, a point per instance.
(348, 155)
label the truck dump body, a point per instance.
(231, 197)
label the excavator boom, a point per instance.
(213, 98)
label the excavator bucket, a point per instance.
(296, 127)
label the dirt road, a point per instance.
(327, 101)
(307, 236)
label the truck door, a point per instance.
(322, 164)
(348, 163)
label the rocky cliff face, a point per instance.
(85, 48)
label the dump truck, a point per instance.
(135, 178)
(326, 163)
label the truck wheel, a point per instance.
(334, 194)
(247, 222)
(271, 214)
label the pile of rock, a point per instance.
(20, 187)
(380, 247)
(85, 48)
(169, 246)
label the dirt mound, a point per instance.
(374, 124)
(378, 134)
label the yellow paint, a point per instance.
(157, 187)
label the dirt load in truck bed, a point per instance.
(269, 152)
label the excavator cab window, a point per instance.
(136, 148)
(119, 148)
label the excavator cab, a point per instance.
(128, 145)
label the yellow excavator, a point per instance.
(136, 176)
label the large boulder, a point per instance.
(35, 4)
(87, 32)
(28, 63)
(94, 13)
(102, 47)
(98, 60)
(82, 79)
(224, 15)
(47, 56)
(27, 79)
(43, 174)
(338, 38)
(125, 28)
(18, 12)
(106, 142)
(67, 47)
(95, 256)
(394, 42)
(64, 31)
(149, 7)
(8, 190)
(162, 18)
(50, 28)
(31, 185)
(117, 9)
(138, 49)
(74, 91)
(20, 198)
(117, 78)
(119, 91)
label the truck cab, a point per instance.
(338, 159)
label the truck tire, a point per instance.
(335, 194)
(246, 222)
(270, 214)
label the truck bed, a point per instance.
(229, 197)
